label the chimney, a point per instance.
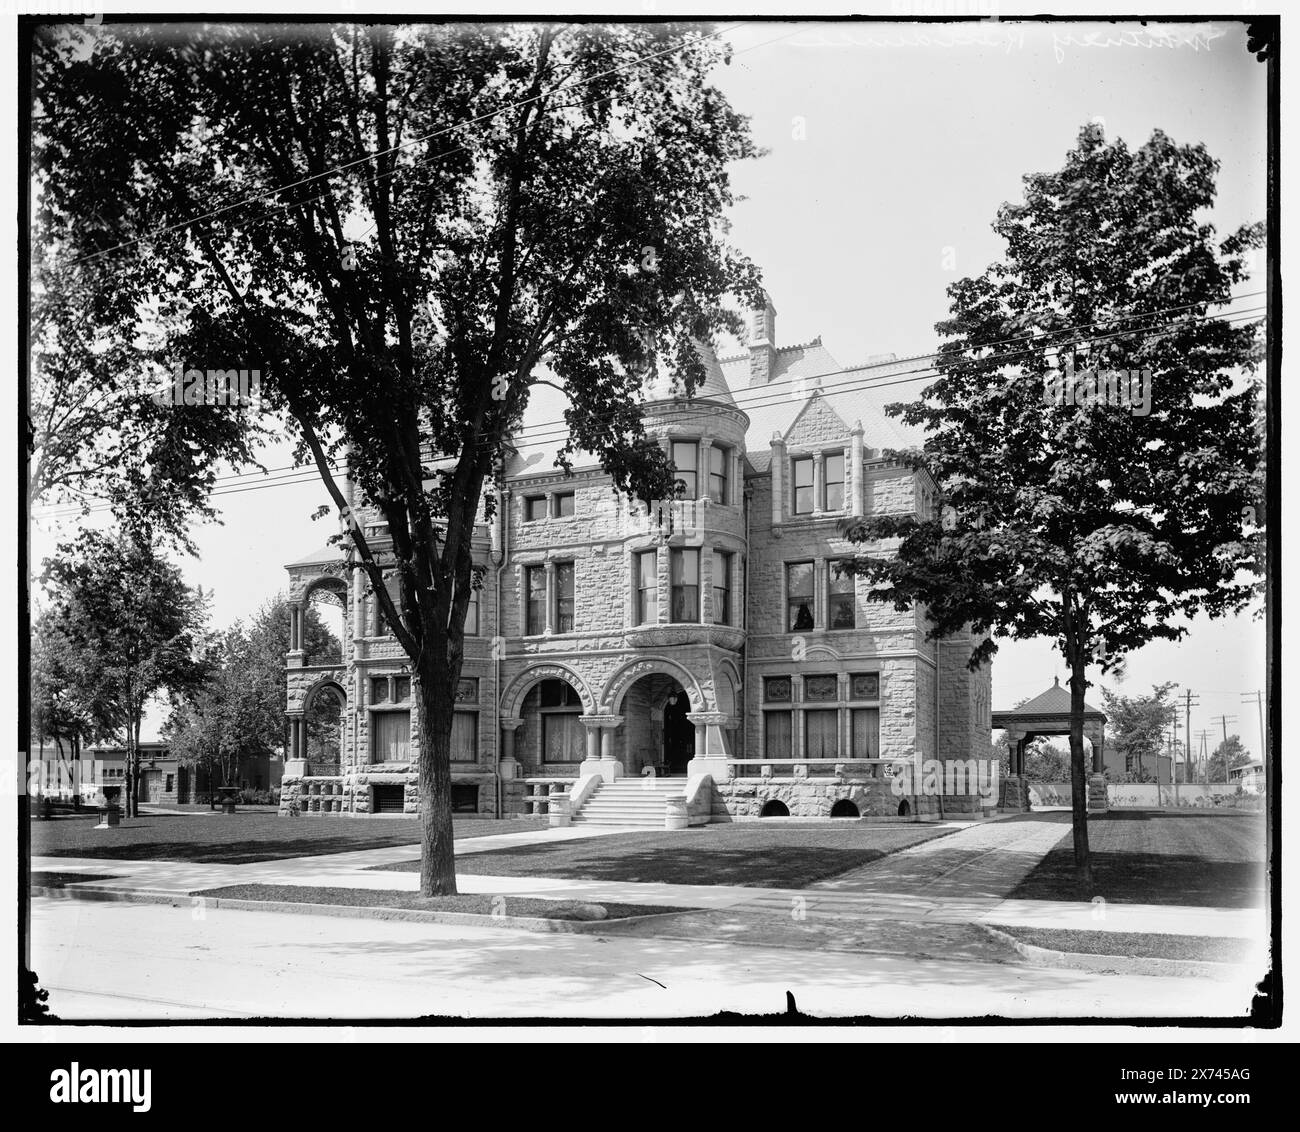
(762, 343)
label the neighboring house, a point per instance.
(711, 635)
(165, 779)
(1249, 777)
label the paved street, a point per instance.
(112, 960)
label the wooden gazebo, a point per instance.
(1048, 714)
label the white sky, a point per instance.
(909, 151)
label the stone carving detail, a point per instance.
(521, 684)
(866, 686)
(629, 675)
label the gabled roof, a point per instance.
(855, 394)
(1054, 701)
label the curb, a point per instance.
(359, 912)
(1114, 964)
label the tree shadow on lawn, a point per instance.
(1138, 858)
(222, 839)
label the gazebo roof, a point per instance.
(1053, 702)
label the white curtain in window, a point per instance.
(563, 738)
(866, 733)
(392, 736)
(464, 737)
(820, 740)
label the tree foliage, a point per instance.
(237, 710)
(1228, 754)
(1137, 727)
(133, 626)
(402, 225)
(1093, 525)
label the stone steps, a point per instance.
(633, 803)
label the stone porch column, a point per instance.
(295, 765)
(509, 765)
(600, 758)
(711, 746)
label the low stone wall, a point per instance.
(815, 797)
(1136, 795)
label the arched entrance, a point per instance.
(656, 733)
(679, 735)
(323, 716)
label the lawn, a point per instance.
(1213, 860)
(757, 854)
(241, 838)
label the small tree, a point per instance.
(1136, 727)
(1228, 754)
(1107, 523)
(133, 625)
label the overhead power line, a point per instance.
(308, 474)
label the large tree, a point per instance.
(398, 226)
(135, 628)
(1092, 524)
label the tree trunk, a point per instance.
(1079, 775)
(437, 855)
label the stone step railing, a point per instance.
(320, 795)
(539, 790)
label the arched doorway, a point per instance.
(324, 728)
(679, 735)
(656, 733)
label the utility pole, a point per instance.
(1188, 745)
(1258, 697)
(1224, 720)
(1204, 737)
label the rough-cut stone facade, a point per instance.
(799, 454)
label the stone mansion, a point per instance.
(706, 647)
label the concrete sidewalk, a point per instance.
(964, 877)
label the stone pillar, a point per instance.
(600, 758)
(711, 747)
(819, 481)
(509, 766)
(549, 626)
(855, 470)
(1098, 799)
(778, 479)
(358, 608)
(295, 765)
(703, 454)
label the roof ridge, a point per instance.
(779, 349)
(800, 345)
